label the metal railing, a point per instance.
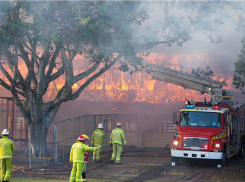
(57, 138)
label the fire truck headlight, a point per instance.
(175, 143)
(217, 145)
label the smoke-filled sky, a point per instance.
(228, 49)
(200, 43)
(224, 54)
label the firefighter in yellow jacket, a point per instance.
(116, 140)
(6, 153)
(77, 158)
(98, 140)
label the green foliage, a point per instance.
(239, 73)
(101, 27)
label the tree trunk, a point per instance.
(38, 145)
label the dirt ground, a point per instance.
(141, 165)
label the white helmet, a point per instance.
(5, 132)
(100, 126)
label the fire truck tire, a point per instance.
(222, 161)
(176, 160)
(241, 151)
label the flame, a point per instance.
(119, 86)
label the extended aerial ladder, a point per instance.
(183, 77)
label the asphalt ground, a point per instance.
(141, 165)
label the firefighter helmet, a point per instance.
(81, 138)
(5, 132)
(100, 126)
(85, 136)
(119, 124)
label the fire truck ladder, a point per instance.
(183, 77)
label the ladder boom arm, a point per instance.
(190, 81)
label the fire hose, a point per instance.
(67, 169)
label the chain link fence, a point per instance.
(57, 138)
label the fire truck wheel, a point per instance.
(241, 151)
(223, 159)
(176, 160)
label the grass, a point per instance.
(34, 179)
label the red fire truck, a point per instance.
(206, 130)
(209, 132)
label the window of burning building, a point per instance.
(153, 125)
(158, 125)
(131, 126)
(109, 125)
(20, 121)
(168, 126)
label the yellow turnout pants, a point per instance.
(84, 167)
(76, 172)
(116, 153)
(6, 167)
(96, 153)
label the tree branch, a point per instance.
(85, 73)
(52, 61)
(45, 56)
(24, 55)
(77, 93)
(227, 15)
(18, 102)
(158, 42)
(8, 87)
(11, 64)
(65, 97)
(56, 74)
(33, 56)
(15, 60)
(67, 63)
(31, 50)
(12, 82)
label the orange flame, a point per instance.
(119, 86)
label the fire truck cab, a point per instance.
(209, 132)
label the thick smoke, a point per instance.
(177, 23)
(223, 54)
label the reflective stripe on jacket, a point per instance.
(77, 151)
(98, 137)
(118, 136)
(6, 147)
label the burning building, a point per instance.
(147, 103)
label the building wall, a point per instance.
(145, 124)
